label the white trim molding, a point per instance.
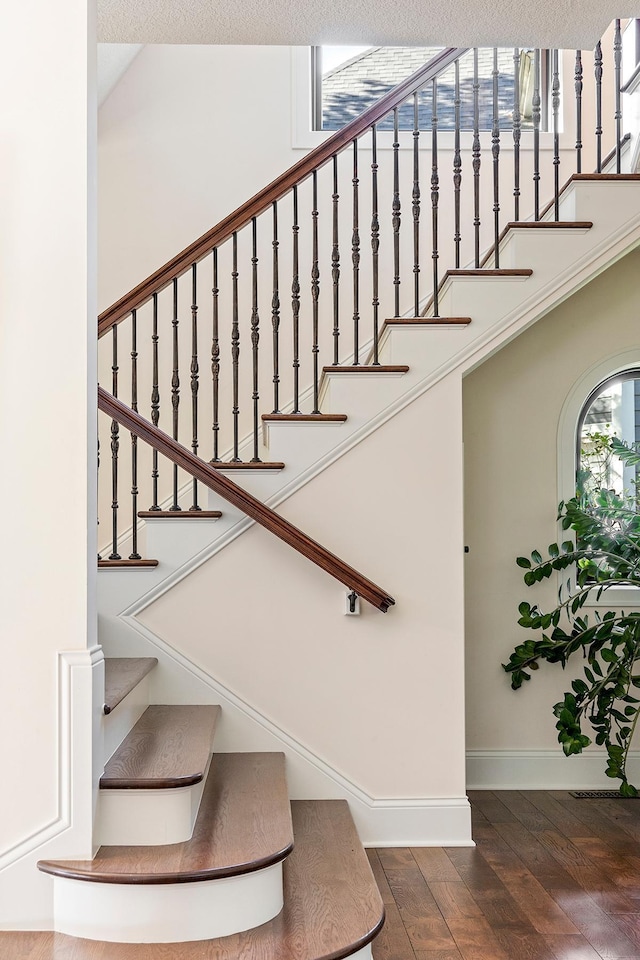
(542, 770)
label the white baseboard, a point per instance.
(542, 770)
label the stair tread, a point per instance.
(121, 675)
(305, 417)
(139, 564)
(244, 824)
(179, 514)
(169, 746)
(250, 465)
(332, 906)
(368, 368)
(427, 321)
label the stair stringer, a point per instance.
(434, 361)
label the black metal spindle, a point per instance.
(457, 165)
(597, 61)
(255, 337)
(134, 555)
(555, 105)
(355, 257)
(396, 214)
(495, 152)
(535, 112)
(98, 483)
(175, 390)
(195, 379)
(517, 124)
(375, 242)
(577, 76)
(475, 158)
(215, 360)
(335, 262)
(617, 66)
(415, 205)
(315, 293)
(155, 403)
(295, 304)
(435, 192)
(235, 346)
(115, 445)
(275, 312)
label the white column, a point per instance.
(47, 437)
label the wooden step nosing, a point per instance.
(127, 564)
(147, 665)
(304, 417)
(158, 783)
(241, 465)
(179, 514)
(408, 322)
(399, 368)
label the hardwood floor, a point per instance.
(551, 878)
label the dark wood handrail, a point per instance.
(239, 497)
(275, 190)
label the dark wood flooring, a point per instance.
(551, 878)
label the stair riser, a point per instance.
(167, 913)
(464, 296)
(122, 718)
(440, 342)
(147, 817)
(293, 442)
(603, 202)
(179, 539)
(531, 247)
(363, 395)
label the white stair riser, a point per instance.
(169, 912)
(290, 442)
(532, 248)
(599, 201)
(179, 539)
(462, 296)
(435, 343)
(363, 395)
(118, 723)
(148, 817)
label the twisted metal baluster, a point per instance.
(475, 159)
(195, 383)
(255, 336)
(415, 204)
(335, 263)
(215, 360)
(295, 304)
(598, 75)
(457, 165)
(375, 242)
(435, 191)
(495, 152)
(555, 102)
(175, 390)
(275, 312)
(617, 62)
(115, 445)
(535, 110)
(355, 257)
(517, 124)
(134, 555)
(155, 403)
(235, 346)
(315, 294)
(396, 214)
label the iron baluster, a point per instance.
(275, 312)
(315, 294)
(435, 192)
(396, 214)
(555, 104)
(155, 403)
(517, 125)
(598, 75)
(475, 158)
(134, 555)
(295, 304)
(415, 205)
(335, 263)
(457, 165)
(535, 112)
(255, 336)
(194, 376)
(235, 346)
(215, 360)
(175, 390)
(577, 76)
(355, 257)
(617, 64)
(375, 242)
(495, 152)
(115, 445)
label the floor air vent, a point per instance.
(599, 795)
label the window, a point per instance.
(348, 80)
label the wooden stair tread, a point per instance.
(168, 747)
(121, 675)
(250, 465)
(139, 564)
(332, 906)
(179, 514)
(244, 824)
(368, 368)
(488, 273)
(427, 321)
(304, 417)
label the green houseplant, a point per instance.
(604, 552)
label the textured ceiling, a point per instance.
(544, 23)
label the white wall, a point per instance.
(47, 424)
(512, 413)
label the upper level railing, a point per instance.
(337, 243)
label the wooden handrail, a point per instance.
(239, 497)
(275, 190)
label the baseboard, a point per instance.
(542, 770)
